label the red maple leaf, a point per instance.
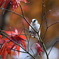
(4, 50)
(1, 40)
(5, 2)
(16, 38)
(20, 39)
(14, 3)
(1, 2)
(39, 49)
(12, 33)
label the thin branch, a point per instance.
(52, 47)
(16, 43)
(48, 28)
(21, 10)
(53, 24)
(18, 51)
(45, 33)
(11, 11)
(43, 14)
(43, 45)
(26, 57)
(27, 40)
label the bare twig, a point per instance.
(52, 47)
(43, 14)
(48, 28)
(43, 45)
(45, 33)
(11, 11)
(18, 51)
(53, 24)
(27, 40)
(21, 10)
(43, 10)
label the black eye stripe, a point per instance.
(34, 20)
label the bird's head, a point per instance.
(34, 21)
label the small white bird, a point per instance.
(36, 26)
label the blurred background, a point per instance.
(31, 10)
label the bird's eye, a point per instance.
(34, 20)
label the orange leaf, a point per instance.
(18, 48)
(4, 50)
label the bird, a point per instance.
(36, 26)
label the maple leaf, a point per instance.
(1, 2)
(14, 3)
(6, 3)
(17, 38)
(4, 50)
(39, 49)
(20, 39)
(1, 40)
(12, 33)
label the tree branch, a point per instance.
(53, 24)
(18, 51)
(48, 28)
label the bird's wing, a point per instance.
(37, 26)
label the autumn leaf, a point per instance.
(39, 49)
(20, 39)
(14, 3)
(6, 3)
(1, 2)
(18, 47)
(1, 40)
(4, 50)
(12, 33)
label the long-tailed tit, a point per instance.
(36, 27)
